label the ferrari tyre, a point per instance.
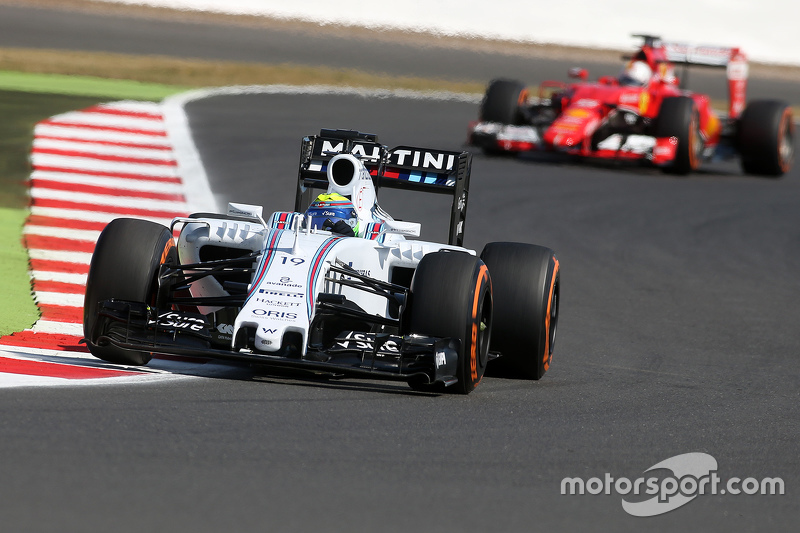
(451, 296)
(125, 265)
(766, 138)
(526, 292)
(679, 118)
(502, 101)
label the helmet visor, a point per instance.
(325, 218)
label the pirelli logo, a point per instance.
(267, 292)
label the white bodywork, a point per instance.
(295, 260)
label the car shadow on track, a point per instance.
(233, 371)
(299, 377)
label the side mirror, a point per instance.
(577, 72)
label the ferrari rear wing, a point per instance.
(402, 167)
(733, 60)
(710, 56)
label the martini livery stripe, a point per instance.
(373, 232)
(316, 264)
(273, 238)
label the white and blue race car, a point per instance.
(294, 291)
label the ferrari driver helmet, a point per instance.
(636, 73)
(333, 212)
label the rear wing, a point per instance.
(733, 60)
(402, 167)
(710, 56)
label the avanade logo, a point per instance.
(693, 474)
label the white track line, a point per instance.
(97, 165)
(58, 255)
(101, 149)
(88, 216)
(59, 328)
(63, 233)
(153, 126)
(73, 132)
(59, 298)
(190, 167)
(61, 277)
(116, 183)
(101, 199)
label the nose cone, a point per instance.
(560, 140)
(574, 125)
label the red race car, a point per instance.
(643, 114)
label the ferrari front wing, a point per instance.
(496, 137)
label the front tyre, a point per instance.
(125, 265)
(679, 118)
(451, 296)
(526, 289)
(766, 138)
(503, 101)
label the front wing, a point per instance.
(411, 358)
(496, 137)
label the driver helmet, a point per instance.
(636, 73)
(328, 209)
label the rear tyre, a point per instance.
(451, 296)
(125, 266)
(766, 138)
(502, 102)
(679, 118)
(526, 292)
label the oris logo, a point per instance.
(277, 315)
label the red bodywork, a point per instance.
(580, 110)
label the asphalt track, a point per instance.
(677, 334)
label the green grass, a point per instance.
(18, 310)
(86, 86)
(169, 73)
(20, 112)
